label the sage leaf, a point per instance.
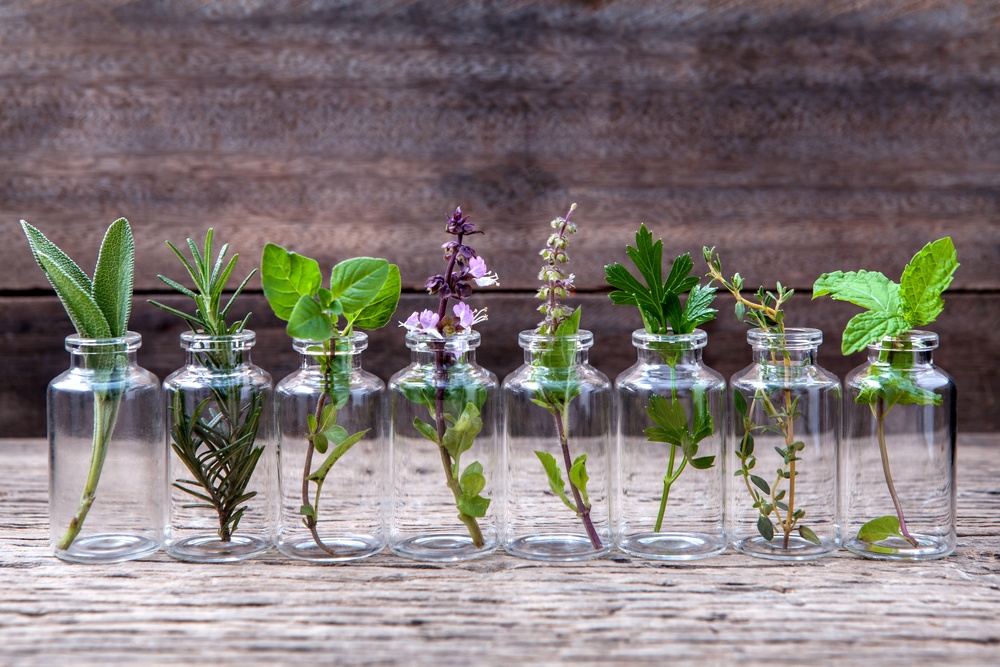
(114, 276)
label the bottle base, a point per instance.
(798, 548)
(673, 546)
(343, 548)
(210, 549)
(896, 548)
(443, 547)
(556, 547)
(108, 548)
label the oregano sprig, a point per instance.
(659, 303)
(892, 310)
(363, 293)
(99, 309)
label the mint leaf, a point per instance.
(287, 276)
(308, 321)
(379, 310)
(114, 276)
(554, 473)
(356, 282)
(879, 529)
(868, 289)
(925, 278)
(869, 327)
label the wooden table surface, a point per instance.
(500, 610)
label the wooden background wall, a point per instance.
(798, 137)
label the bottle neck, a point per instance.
(670, 349)
(343, 353)
(218, 353)
(791, 348)
(94, 354)
(556, 351)
(790, 358)
(448, 350)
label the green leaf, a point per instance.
(554, 473)
(879, 529)
(894, 387)
(327, 418)
(703, 463)
(286, 277)
(308, 510)
(114, 276)
(765, 527)
(740, 402)
(473, 481)
(761, 484)
(562, 354)
(380, 310)
(474, 506)
(320, 442)
(426, 430)
(319, 475)
(308, 321)
(679, 280)
(925, 278)
(458, 438)
(578, 477)
(356, 282)
(869, 327)
(697, 309)
(806, 533)
(868, 289)
(648, 258)
(704, 425)
(71, 284)
(670, 419)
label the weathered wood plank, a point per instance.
(499, 610)
(32, 330)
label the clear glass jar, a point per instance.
(222, 470)
(782, 496)
(349, 464)
(107, 464)
(549, 512)
(661, 513)
(898, 459)
(429, 488)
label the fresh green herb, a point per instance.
(767, 313)
(892, 310)
(659, 303)
(99, 309)
(216, 440)
(554, 370)
(363, 292)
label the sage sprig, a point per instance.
(99, 309)
(216, 441)
(659, 303)
(363, 292)
(892, 310)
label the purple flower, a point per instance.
(422, 322)
(483, 277)
(467, 317)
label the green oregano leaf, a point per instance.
(765, 527)
(879, 529)
(806, 533)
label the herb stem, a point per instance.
(582, 509)
(883, 450)
(311, 521)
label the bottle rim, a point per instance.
(356, 343)
(456, 342)
(531, 340)
(200, 342)
(695, 340)
(916, 340)
(794, 338)
(78, 344)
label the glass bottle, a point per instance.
(443, 510)
(782, 495)
(222, 470)
(556, 453)
(349, 463)
(899, 452)
(107, 464)
(669, 485)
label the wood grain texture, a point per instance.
(797, 137)
(499, 610)
(32, 330)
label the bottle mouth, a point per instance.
(77, 344)
(532, 341)
(455, 343)
(695, 340)
(791, 339)
(198, 342)
(911, 341)
(355, 343)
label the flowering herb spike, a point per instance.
(217, 444)
(554, 371)
(767, 313)
(659, 304)
(363, 292)
(99, 308)
(457, 419)
(891, 311)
